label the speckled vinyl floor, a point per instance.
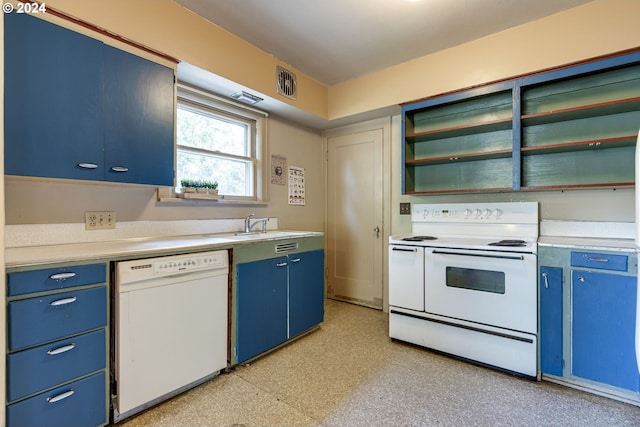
(349, 373)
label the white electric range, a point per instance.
(463, 282)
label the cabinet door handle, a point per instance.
(281, 264)
(62, 276)
(295, 260)
(120, 169)
(62, 349)
(596, 259)
(581, 279)
(61, 396)
(546, 280)
(63, 301)
(377, 231)
(85, 165)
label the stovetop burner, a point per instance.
(419, 238)
(512, 243)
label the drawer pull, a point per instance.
(62, 276)
(61, 396)
(281, 264)
(62, 349)
(63, 301)
(120, 169)
(595, 259)
(295, 260)
(87, 165)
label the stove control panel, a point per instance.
(518, 212)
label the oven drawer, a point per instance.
(599, 261)
(37, 320)
(80, 403)
(46, 366)
(26, 282)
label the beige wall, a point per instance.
(173, 30)
(597, 28)
(42, 201)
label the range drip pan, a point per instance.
(419, 238)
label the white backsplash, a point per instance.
(592, 229)
(58, 234)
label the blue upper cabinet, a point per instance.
(139, 104)
(79, 109)
(53, 101)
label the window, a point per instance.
(217, 140)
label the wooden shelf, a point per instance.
(462, 130)
(582, 112)
(596, 144)
(467, 157)
(460, 191)
(577, 186)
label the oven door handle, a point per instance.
(404, 250)
(518, 257)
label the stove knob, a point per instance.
(497, 213)
(467, 212)
(487, 213)
(478, 212)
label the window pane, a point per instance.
(233, 176)
(211, 133)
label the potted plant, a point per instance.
(199, 186)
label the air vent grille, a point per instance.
(286, 82)
(286, 247)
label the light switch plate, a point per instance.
(99, 220)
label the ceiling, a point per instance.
(333, 41)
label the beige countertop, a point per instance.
(138, 247)
(611, 236)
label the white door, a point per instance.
(355, 242)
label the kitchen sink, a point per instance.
(269, 235)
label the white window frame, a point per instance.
(195, 98)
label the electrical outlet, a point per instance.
(405, 208)
(99, 220)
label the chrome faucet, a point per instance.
(248, 226)
(247, 222)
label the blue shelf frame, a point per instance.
(516, 85)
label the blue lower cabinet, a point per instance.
(306, 291)
(78, 404)
(551, 320)
(43, 367)
(603, 328)
(262, 307)
(37, 320)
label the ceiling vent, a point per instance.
(286, 82)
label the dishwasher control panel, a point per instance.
(149, 268)
(186, 263)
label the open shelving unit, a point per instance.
(570, 127)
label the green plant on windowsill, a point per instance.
(199, 186)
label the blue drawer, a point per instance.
(599, 261)
(43, 367)
(38, 320)
(26, 282)
(85, 405)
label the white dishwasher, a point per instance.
(171, 327)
